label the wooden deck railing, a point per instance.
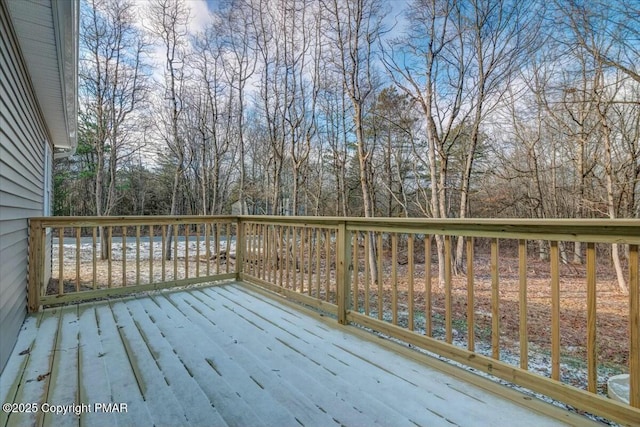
(383, 274)
(96, 257)
(470, 317)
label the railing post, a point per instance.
(343, 275)
(36, 265)
(634, 326)
(240, 245)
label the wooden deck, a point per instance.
(230, 355)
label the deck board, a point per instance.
(295, 371)
(339, 390)
(230, 356)
(193, 348)
(63, 383)
(35, 380)
(94, 370)
(348, 358)
(246, 370)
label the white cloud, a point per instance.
(199, 17)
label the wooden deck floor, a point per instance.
(229, 355)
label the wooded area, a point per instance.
(429, 108)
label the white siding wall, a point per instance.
(23, 137)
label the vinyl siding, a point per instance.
(23, 136)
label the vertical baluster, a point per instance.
(300, 259)
(428, 327)
(281, 252)
(263, 251)
(592, 357)
(109, 257)
(229, 233)
(356, 269)
(175, 251)
(471, 314)
(634, 326)
(137, 255)
(77, 259)
(151, 236)
(317, 238)
(367, 274)
(213, 232)
(294, 255)
(254, 249)
(61, 261)
(273, 262)
(286, 257)
(94, 247)
(228, 244)
(337, 259)
(243, 244)
(248, 249)
(379, 278)
(198, 250)
(448, 317)
(309, 260)
(522, 270)
(410, 284)
(186, 250)
(555, 311)
(123, 230)
(207, 248)
(327, 263)
(495, 301)
(394, 278)
(164, 252)
(269, 254)
(255, 246)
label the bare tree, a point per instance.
(355, 27)
(500, 35)
(332, 108)
(602, 33)
(617, 23)
(168, 23)
(303, 64)
(114, 88)
(214, 104)
(264, 19)
(456, 61)
(239, 65)
(428, 65)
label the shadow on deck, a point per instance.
(233, 355)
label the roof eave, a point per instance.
(47, 32)
(66, 22)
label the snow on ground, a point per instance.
(131, 263)
(145, 249)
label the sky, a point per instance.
(199, 14)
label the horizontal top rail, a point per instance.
(91, 221)
(584, 230)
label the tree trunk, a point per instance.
(615, 253)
